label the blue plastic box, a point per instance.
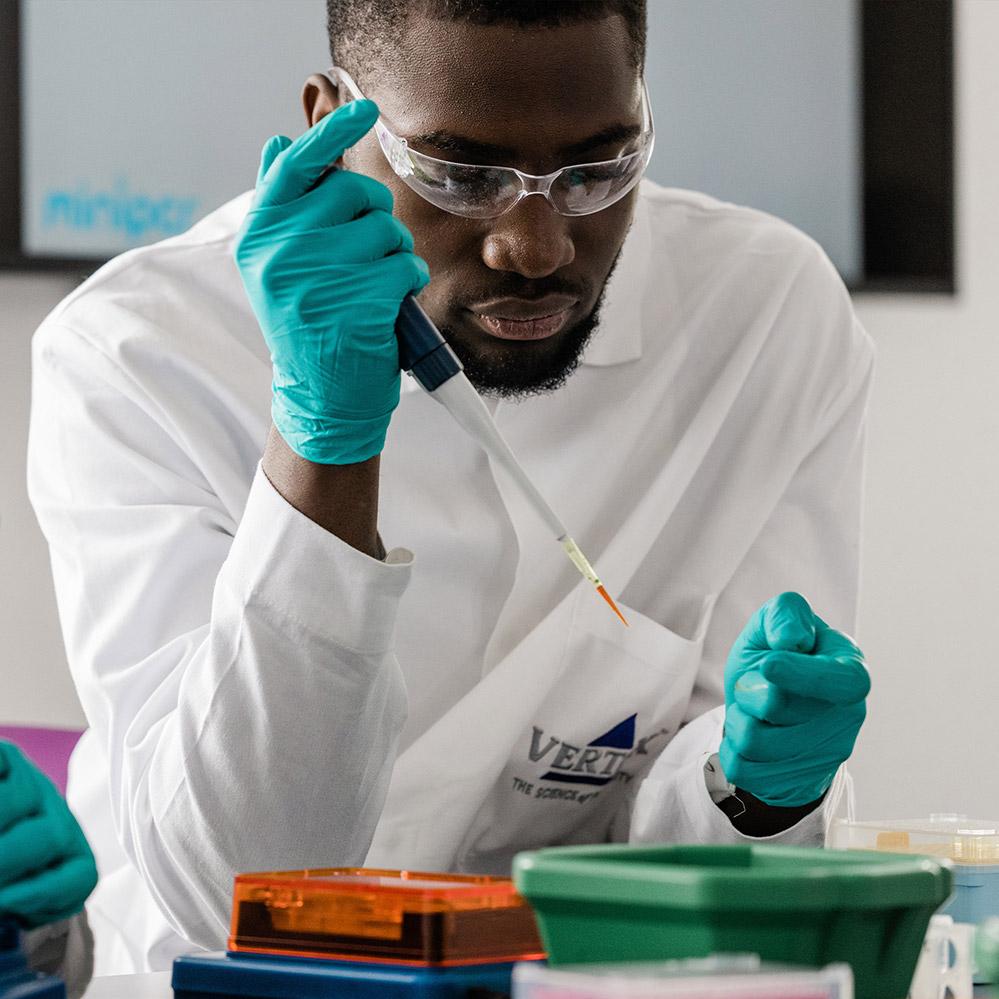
(976, 893)
(253, 976)
(17, 981)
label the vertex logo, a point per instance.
(598, 762)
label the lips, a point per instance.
(524, 329)
(522, 319)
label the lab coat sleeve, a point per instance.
(811, 544)
(64, 949)
(239, 673)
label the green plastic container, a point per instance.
(987, 951)
(795, 905)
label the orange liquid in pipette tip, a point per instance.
(613, 606)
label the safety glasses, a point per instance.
(485, 192)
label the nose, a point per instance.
(532, 239)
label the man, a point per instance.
(266, 686)
(46, 872)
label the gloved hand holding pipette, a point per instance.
(325, 266)
(795, 693)
(330, 274)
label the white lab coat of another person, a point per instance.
(260, 695)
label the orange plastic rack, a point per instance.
(394, 917)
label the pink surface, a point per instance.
(47, 748)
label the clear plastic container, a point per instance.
(972, 845)
(963, 840)
(723, 977)
(987, 950)
(945, 964)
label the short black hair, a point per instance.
(363, 31)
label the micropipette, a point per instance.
(425, 355)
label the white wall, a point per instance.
(931, 562)
(34, 681)
(930, 600)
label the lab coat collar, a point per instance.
(618, 338)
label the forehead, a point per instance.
(509, 85)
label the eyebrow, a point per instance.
(450, 142)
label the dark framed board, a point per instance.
(885, 134)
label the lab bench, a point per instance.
(157, 986)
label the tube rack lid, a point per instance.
(956, 837)
(405, 917)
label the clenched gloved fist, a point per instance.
(46, 867)
(326, 266)
(795, 694)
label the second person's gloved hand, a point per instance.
(326, 266)
(46, 867)
(795, 694)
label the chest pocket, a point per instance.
(619, 697)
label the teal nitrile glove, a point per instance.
(46, 867)
(326, 266)
(795, 694)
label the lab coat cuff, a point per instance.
(282, 560)
(808, 831)
(677, 808)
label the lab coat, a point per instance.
(262, 696)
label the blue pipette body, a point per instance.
(422, 350)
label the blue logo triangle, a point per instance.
(621, 736)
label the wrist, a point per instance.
(343, 499)
(329, 440)
(748, 814)
(753, 817)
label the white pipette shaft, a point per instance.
(465, 405)
(425, 355)
(461, 400)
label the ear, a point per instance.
(319, 98)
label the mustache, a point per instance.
(529, 293)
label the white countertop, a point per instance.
(155, 986)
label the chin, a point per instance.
(515, 369)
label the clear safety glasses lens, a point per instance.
(483, 192)
(486, 192)
(472, 191)
(585, 189)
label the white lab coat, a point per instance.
(262, 696)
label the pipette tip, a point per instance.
(613, 606)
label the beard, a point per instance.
(513, 370)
